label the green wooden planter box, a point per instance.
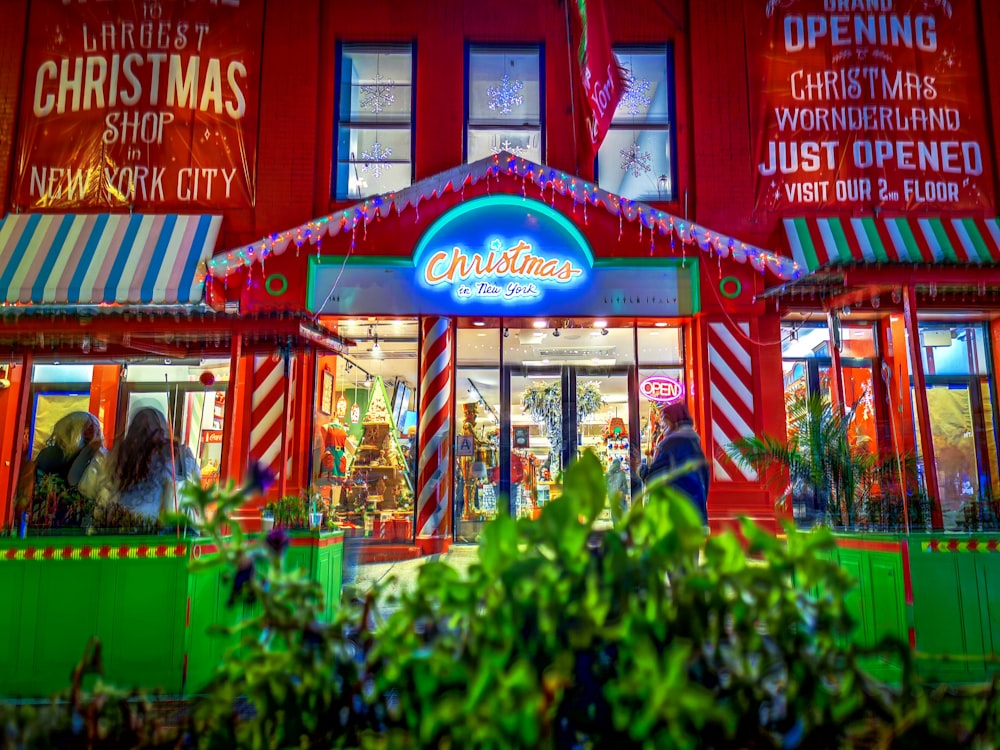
(138, 596)
(321, 555)
(940, 593)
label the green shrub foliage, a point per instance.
(559, 636)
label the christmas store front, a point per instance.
(498, 320)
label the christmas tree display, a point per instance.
(379, 476)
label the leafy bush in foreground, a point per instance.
(562, 637)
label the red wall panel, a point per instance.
(12, 34)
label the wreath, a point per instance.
(543, 403)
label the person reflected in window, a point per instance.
(145, 468)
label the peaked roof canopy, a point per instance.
(495, 167)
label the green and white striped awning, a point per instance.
(817, 242)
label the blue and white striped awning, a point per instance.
(92, 259)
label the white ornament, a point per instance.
(506, 145)
(634, 99)
(378, 95)
(376, 159)
(635, 160)
(505, 97)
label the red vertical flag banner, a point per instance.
(600, 80)
(876, 104)
(151, 105)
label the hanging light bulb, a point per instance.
(368, 380)
(375, 347)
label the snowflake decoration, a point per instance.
(634, 98)
(506, 145)
(376, 159)
(378, 95)
(505, 97)
(635, 160)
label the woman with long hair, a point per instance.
(145, 467)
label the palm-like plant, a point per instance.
(827, 470)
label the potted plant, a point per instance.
(830, 475)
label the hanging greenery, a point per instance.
(543, 403)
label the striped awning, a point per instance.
(817, 242)
(90, 259)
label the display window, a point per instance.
(79, 410)
(365, 417)
(192, 398)
(808, 371)
(477, 430)
(962, 418)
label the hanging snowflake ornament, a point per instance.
(378, 95)
(376, 159)
(505, 97)
(634, 99)
(635, 160)
(506, 145)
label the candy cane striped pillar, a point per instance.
(732, 396)
(437, 409)
(269, 416)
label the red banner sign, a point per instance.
(600, 80)
(150, 104)
(872, 104)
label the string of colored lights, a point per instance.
(361, 214)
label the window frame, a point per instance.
(340, 189)
(669, 72)
(472, 48)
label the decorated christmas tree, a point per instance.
(380, 463)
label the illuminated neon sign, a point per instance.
(485, 275)
(502, 249)
(662, 389)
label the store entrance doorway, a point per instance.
(553, 397)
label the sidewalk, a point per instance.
(401, 574)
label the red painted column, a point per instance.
(437, 409)
(104, 399)
(14, 406)
(923, 416)
(834, 323)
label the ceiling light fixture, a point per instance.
(600, 324)
(540, 323)
(479, 323)
(661, 324)
(506, 333)
(555, 332)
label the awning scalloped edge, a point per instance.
(494, 167)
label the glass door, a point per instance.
(569, 390)
(960, 405)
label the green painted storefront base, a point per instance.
(941, 594)
(138, 596)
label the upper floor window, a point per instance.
(504, 102)
(374, 120)
(636, 158)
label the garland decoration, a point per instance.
(493, 167)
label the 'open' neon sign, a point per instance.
(662, 389)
